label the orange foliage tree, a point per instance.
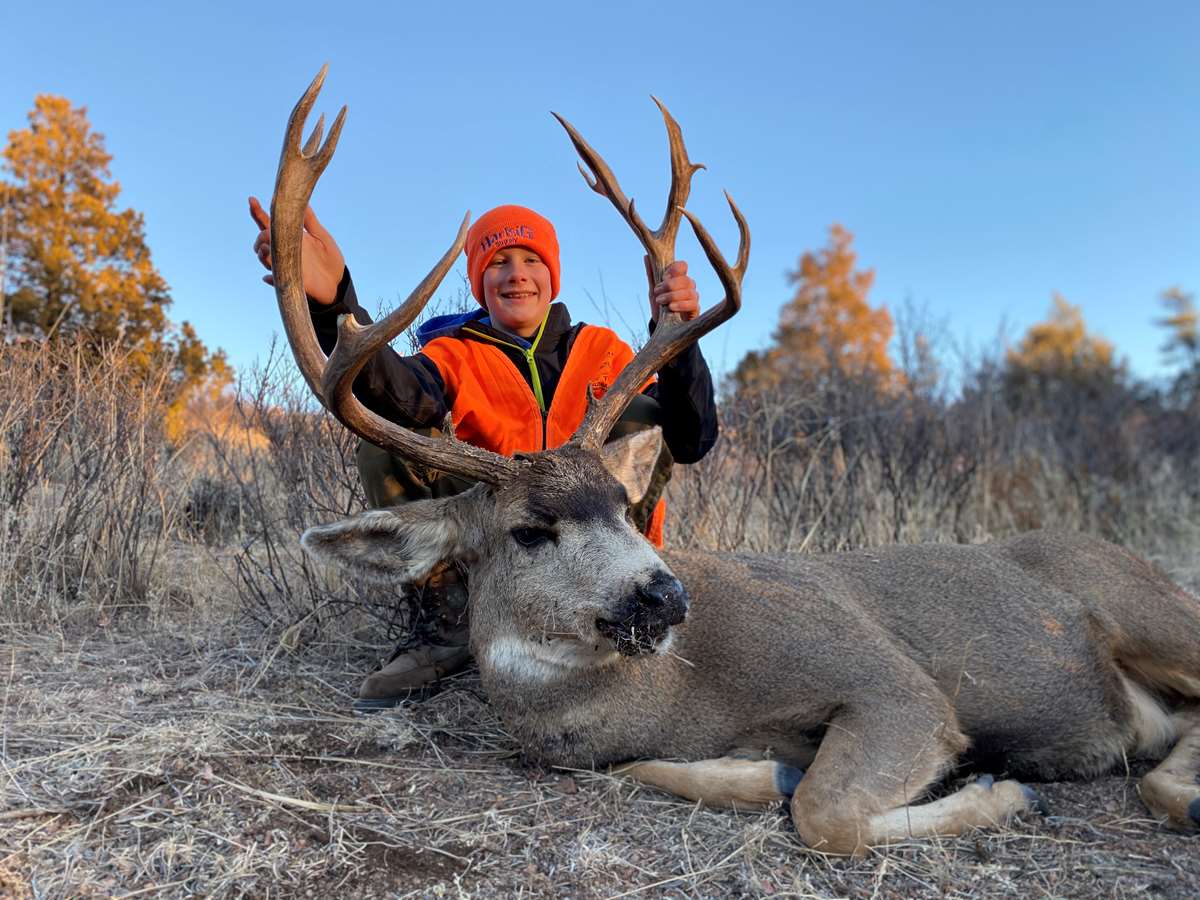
(828, 326)
(78, 266)
(1058, 355)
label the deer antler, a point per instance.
(671, 335)
(331, 379)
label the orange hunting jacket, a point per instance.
(494, 408)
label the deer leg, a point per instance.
(869, 769)
(727, 781)
(1172, 788)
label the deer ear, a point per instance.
(402, 543)
(631, 459)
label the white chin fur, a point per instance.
(528, 660)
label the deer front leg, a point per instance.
(730, 781)
(1172, 788)
(873, 762)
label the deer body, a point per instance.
(871, 674)
(847, 685)
(979, 640)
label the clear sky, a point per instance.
(983, 155)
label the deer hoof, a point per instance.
(985, 781)
(787, 778)
(1194, 810)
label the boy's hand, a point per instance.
(676, 292)
(321, 261)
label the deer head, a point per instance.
(553, 560)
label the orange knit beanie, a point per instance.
(510, 226)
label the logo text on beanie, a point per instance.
(509, 234)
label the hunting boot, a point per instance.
(435, 648)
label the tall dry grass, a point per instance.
(106, 515)
(836, 463)
(89, 488)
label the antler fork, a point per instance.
(671, 335)
(332, 379)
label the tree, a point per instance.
(78, 265)
(1183, 343)
(1183, 326)
(828, 327)
(1066, 385)
(1058, 353)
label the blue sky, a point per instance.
(985, 156)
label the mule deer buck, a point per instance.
(847, 684)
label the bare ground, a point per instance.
(223, 765)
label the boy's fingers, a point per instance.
(258, 214)
(269, 279)
(680, 283)
(262, 249)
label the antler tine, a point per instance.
(682, 170)
(294, 182)
(660, 243)
(671, 335)
(604, 182)
(357, 343)
(332, 380)
(730, 276)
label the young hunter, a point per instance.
(513, 375)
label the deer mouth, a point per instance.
(640, 628)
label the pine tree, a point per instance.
(78, 266)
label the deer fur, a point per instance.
(845, 684)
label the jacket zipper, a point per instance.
(534, 378)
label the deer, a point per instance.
(845, 686)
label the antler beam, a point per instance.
(332, 379)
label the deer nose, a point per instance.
(665, 594)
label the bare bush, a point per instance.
(88, 484)
(841, 462)
(291, 466)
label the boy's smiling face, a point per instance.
(516, 290)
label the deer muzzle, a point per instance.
(645, 616)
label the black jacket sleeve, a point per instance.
(407, 390)
(684, 390)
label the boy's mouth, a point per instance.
(518, 295)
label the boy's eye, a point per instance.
(533, 537)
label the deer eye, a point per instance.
(532, 537)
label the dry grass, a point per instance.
(211, 764)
